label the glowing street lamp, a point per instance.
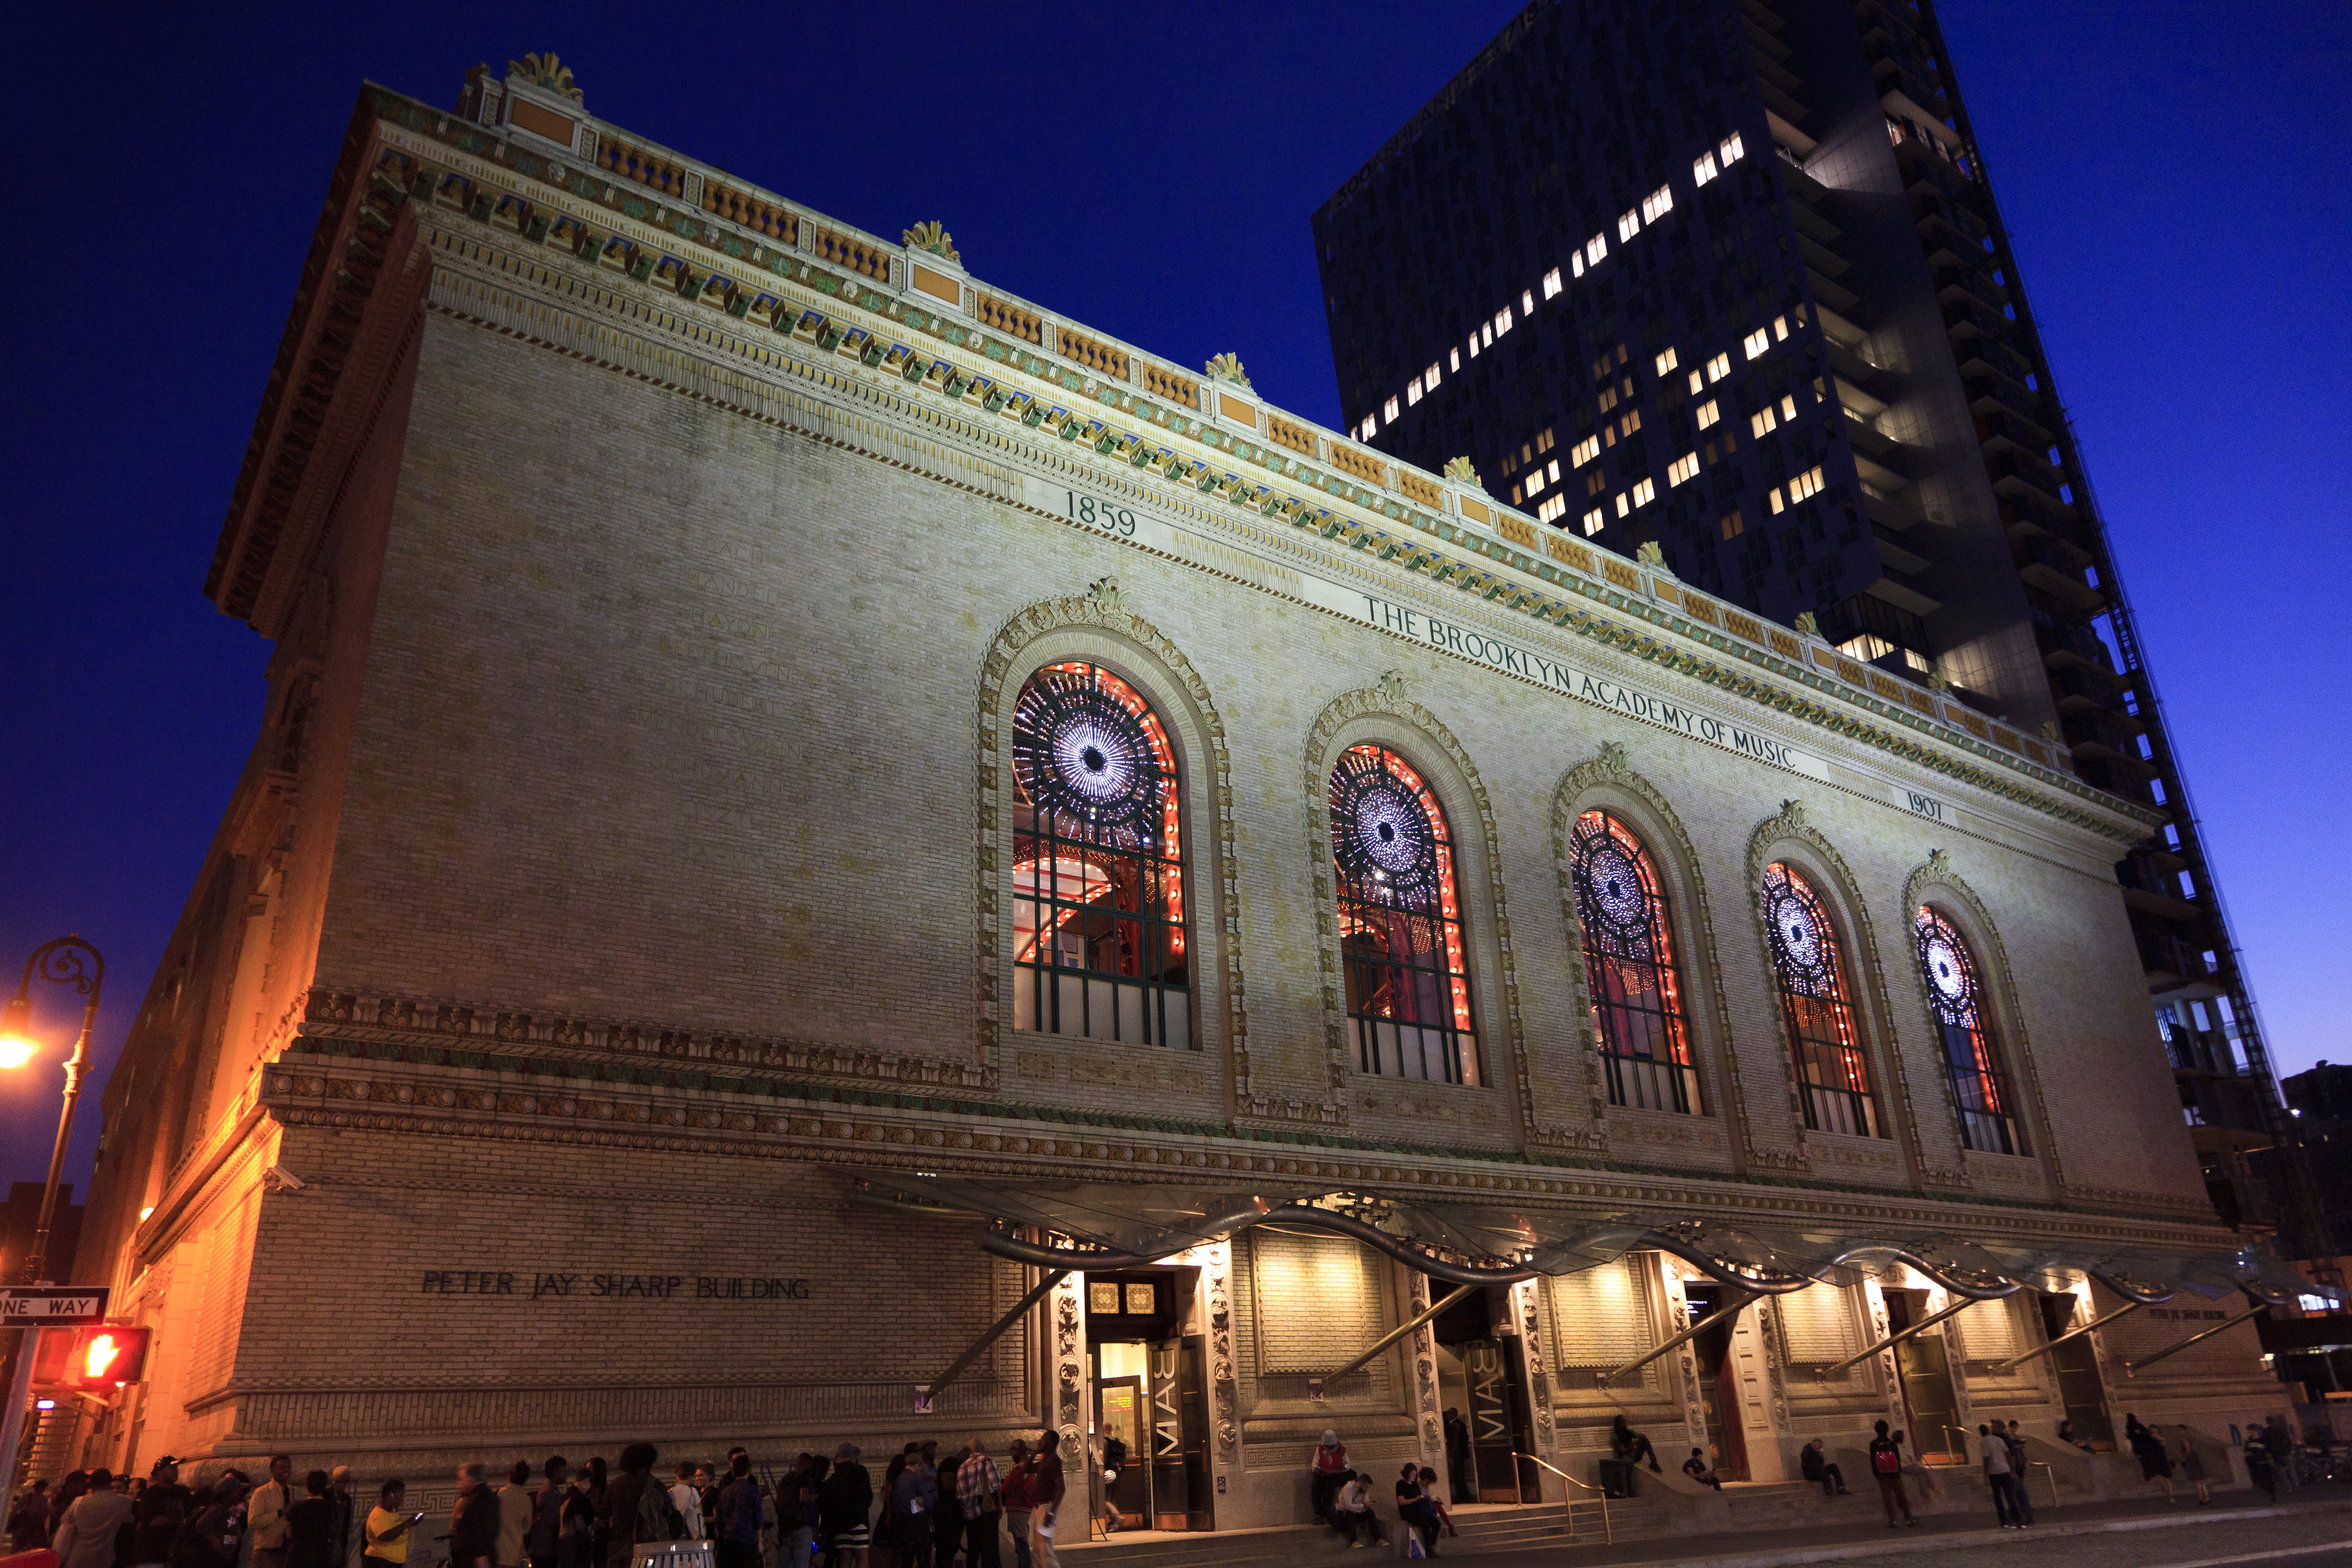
(16, 1044)
(68, 961)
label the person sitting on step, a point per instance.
(1697, 1469)
(1817, 1468)
(1630, 1445)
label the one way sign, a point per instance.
(62, 1307)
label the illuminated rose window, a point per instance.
(1971, 1054)
(1833, 1063)
(1629, 968)
(1098, 864)
(1400, 937)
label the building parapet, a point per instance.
(521, 156)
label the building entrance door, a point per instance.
(1480, 1373)
(1181, 1492)
(1926, 1379)
(1124, 1478)
(2080, 1387)
(1725, 1447)
(1148, 1460)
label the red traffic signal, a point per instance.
(97, 1360)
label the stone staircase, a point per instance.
(1482, 1528)
(1790, 1505)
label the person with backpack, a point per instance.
(637, 1508)
(1886, 1469)
(981, 1491)
(685, 1496)
(738, 1514)
(211, 1537)
(542, 1543)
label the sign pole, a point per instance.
(20, 1394)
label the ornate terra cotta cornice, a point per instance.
(353, 313)
(429, 1092)
(829, 291)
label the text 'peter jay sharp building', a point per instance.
(808, 807)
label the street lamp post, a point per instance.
(69, 960)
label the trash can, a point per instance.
(1617, 1478)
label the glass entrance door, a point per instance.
(1926, 1381)
(1119, 1422)
(1726, 1451)
(1181, 1491)
(2080, 1388)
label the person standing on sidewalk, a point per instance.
(1019, 1499)
(85, 1536)
(384, 1539)
(1993, 1452)
(473, 1522)
(2192, 1466)
(347, 1516)
(266, 1518)
(2021, 1471)
(1051, 1487)
(1886, 1469)
(981, 1491)
(514, 1516)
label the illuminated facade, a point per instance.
(687, 894)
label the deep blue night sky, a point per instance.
(2173, 176)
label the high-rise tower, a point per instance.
(1727, 278)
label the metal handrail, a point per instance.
(1607, 1537)
(2032, 1465)
(1964, 1450)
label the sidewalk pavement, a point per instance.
(2140, 1531)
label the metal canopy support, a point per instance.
(2070, 1334)
(1315, 1385)
(2131, 1368)
(1720, 1315)
(1891, 1341)
(926, 1393)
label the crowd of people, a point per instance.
(1341, 1498)
(929, 1510)
(931, 1506)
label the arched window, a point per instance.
(1972, 1056)
(1097, 864)
(1629, 966)
(1400, 922)
(1832, 1065)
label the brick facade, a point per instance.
(625, 867)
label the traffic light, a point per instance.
(107, 1357)
(97, 1360)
